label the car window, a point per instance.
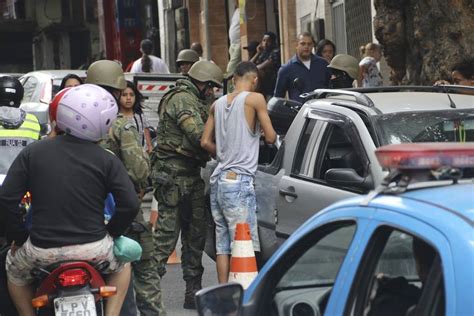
(433, 126)
(29, 86)
(338, 151)
(303, 145)
(393, 276)
(319, 264)
(305, 277)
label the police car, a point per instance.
(406, 248)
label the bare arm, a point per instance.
(265, 65)
(255, 57)
(207, 139)
(362, 70)
(149, 146)
(260, 105)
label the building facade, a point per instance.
(54, 34)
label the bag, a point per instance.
(127, 249)
(109, 208)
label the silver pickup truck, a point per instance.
(328, 150)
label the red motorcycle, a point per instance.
(73, 288)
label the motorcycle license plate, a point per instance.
(80, 305)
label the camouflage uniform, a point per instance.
(124, 142)
(178, 158)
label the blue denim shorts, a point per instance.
(233, 201)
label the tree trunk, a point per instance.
(423, 39)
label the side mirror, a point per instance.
(298, 84)
(223, 299)
(349, 178)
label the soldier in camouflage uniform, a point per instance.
(124, 142)
(176, 166)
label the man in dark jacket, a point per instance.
(310, 70)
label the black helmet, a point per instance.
(11, 91)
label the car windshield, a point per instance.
(433, 126)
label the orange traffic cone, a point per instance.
(243, 266)
(173, 259)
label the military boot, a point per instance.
(192, 286)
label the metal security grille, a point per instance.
(339, 26)
(358, 25)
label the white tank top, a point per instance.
(236, 144)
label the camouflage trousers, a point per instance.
(146, 278)
(181, 208)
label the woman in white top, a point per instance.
(131, 108)
(148, 62)
(370, 75)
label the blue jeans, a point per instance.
(233, 201)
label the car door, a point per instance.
(299, 280)
(328, 141)
(400, 272)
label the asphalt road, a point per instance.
(173, 286)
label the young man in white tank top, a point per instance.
(232, 135)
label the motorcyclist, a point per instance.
(17, 128)
(344, 70)
(68, 221)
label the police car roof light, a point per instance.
(426, 155)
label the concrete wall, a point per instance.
(312, 8)
(288, 31)
(254, 24)
(217, 24)
(194, 10)
(47, 12)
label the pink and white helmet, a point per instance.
(87, 112)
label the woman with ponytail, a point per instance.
(149, 62)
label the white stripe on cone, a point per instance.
(242, 248)
(244, 278)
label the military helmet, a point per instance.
(346, 63)
(206, 71)
(11, 91)
(187, 56)
(106, 73)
